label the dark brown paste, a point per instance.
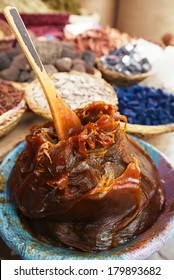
(10, 97)
(94, 191)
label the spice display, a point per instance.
(10, 97)
(126, 61)
(145, 105)
(99, 41)
(95, 190)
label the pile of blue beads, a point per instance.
(145, 105)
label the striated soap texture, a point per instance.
(94, 191)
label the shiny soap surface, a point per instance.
(141, 247)
(93, 192)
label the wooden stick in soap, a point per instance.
(65, 120)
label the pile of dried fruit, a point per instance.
(99, 41)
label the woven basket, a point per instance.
(119, 79)
(10, 119)
(97, 73)
(147, 130)
(92, 89)
(8, 39)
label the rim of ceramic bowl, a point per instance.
(141, 247)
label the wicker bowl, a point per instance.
(147, 130)
(10, 119)
(119, 79)
(77, 90)
(7, 38)
(97, 73)
(140, 129)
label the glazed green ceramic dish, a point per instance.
(141, 247)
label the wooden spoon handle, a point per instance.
(65, 120)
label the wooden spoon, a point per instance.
(65, 120)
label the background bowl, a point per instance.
(10, 119)
(77, 89)
(7, 41)
(120, 79)
(148, 110)
(141, 247)
(141, 130)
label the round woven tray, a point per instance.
(9, 119)
(8, 39)
(97, 73)
(119, 79)
(147, 130)
(77, 90)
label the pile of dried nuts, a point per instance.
(99, 41)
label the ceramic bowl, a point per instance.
(141, 247)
